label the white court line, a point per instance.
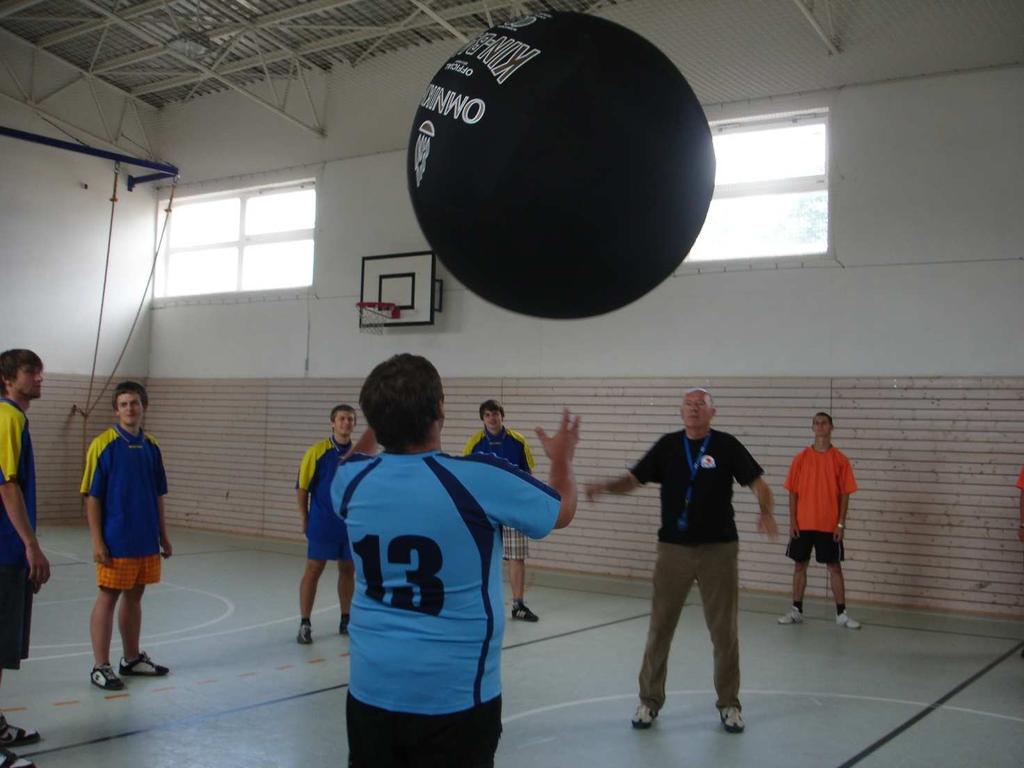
(223, 632)
(228, 611)
(68, 555)
(814, 694)
(38, 603)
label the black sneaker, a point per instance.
(521, 612)
(13, 736)
(103, 677)
(143, 666)
(10, 760)
(305, 636)
(343, 626)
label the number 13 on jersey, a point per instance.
(423, 578)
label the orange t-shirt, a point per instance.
(819, 479)
(1020, 480)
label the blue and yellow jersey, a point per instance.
(17, 465)
(509, 445)
(126, 473)
(315, 475)
(428, 614)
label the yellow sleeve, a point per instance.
(526, 448)
(12, 425)
(307, 469)
(467, 449)
(92, 458)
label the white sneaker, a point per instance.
(792, 616)
(844, 620)
(732, 720)
(644, 716)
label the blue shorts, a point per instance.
(321, 549)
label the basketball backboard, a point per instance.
(407, 280)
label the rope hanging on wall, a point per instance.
(90, 401)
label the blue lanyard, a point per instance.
(694, 465)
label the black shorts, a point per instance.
(15, 615)
(826, 550)
(379, 738)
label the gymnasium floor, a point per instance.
(909, 689)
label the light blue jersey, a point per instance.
(428, 614)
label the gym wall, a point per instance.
(933, 524)
(54, 221)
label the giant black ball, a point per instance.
(560, 165)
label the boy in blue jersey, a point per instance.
(23, 566)
(496, 439)
(124, 487)
(427, 624)
(325, 531)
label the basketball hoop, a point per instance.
(374, 315)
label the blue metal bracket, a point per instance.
(163, 170)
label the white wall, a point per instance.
(926, 233)
(53, 238)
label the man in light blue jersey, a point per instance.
(427, 618)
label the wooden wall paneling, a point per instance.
(933, 524)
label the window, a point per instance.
(254, 240)
(771, 190)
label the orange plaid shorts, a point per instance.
(128, 572)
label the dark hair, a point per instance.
(401, 399)
(13, 360)
(827, 416)
(491, 405)
(343, 407)
(129, 387)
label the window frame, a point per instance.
(819, 115)
(243, 241)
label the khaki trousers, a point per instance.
(714, 568)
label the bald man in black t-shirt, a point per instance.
(698, 542)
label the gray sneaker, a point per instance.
(792, 616)
(305, 636)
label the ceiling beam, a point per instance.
(138, 31)
(442, 21)
(270, 19)
(12, 7)
(87, 73)
(833, 49)
(254, 62)
(136, 57)
(268, 36)
(127, 14)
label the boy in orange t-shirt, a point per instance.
(819, 482)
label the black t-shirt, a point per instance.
(710, 514)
